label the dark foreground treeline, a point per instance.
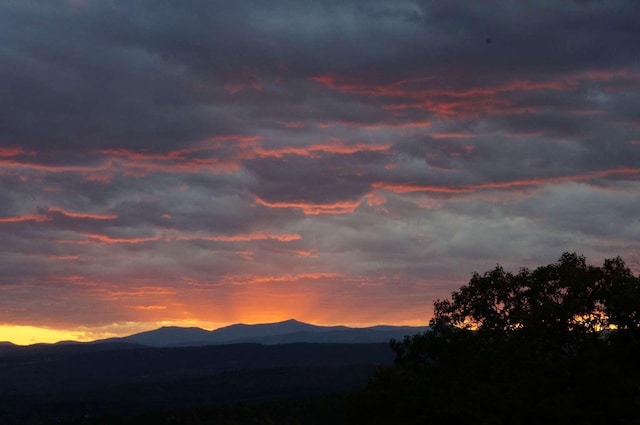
(556, 345)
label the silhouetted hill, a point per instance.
(7, 346)
(184, 368)
(45, 381)
(49, 368)
(289, 331)
(159, 337)
(61, 348)
(344, 335)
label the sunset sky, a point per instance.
(201, 163)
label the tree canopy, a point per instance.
(569, 295)
(558, 344)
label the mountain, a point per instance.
(188, 368)
(165, 336)
(242, 331)
(289, 331)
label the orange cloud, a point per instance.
(453, 135)
(82, 215)
(376, 199)
(526, 85)
(47, 216)
(7, 152)
(425, 92)
(345, 207)
(139, 164)
(258, 236)
(240, 138)
(408, 89)
(104, 239)
(172, 235)
(247, 255)
(39, 218)
(150, 307)
(303, 253)
(142, 291)
(337, 147)
(612, 76)
(410, 187)
(34, 166)
(64, 257)
(136, 163)
(257, 280)
(200, 157)
(140, 155)
(356, 87)
(388, 125)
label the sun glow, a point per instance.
(27, 335)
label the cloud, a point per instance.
(351, 160)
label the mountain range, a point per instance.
(286, 332)
(186, 368)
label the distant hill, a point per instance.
(7, 347)
(67, 383)
(289, 331)
(189, 368)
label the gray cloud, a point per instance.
(345, 160)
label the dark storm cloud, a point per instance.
(189, 154)
(160, 70)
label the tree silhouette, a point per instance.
(558, 344)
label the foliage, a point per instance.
(558, 344)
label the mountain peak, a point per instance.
(179, 328)
(290, 330)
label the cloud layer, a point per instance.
(337, 161)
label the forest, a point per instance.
(555, 345)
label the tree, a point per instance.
(568, 296)
(554, 345)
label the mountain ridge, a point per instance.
(284, 332)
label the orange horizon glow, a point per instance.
(25, 335)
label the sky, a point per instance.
(201, 163)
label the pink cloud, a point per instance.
(308, 208)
